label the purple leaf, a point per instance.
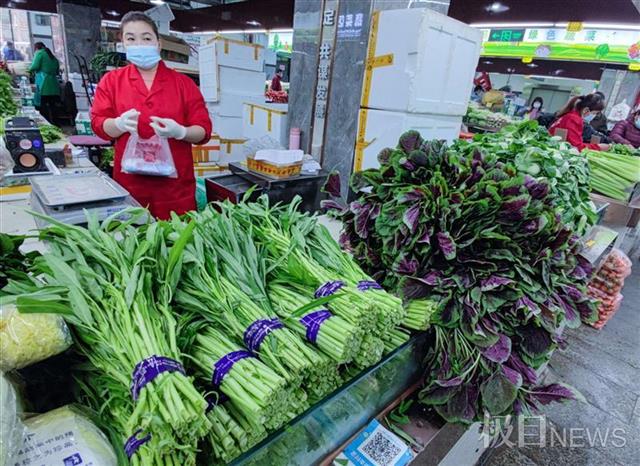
(450, 383)
(527, 303)
(515, 204)
(411, 217)
(331, 205)
(410, 196)
(511, 191)
(573, 293)
(410, 140)
(493, 282)
(513, 376)
(426, 236)
(499, 352)
(553, 392)
(407, 164)
(406, 266)
(537, 189)
(447, 246)
(384, 156)
(332, 185)
(432, 278)
(528, 374)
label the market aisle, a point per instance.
(605, 366)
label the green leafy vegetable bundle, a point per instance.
(532, 151)
(50, 133)
(484, 238)
(7, 105)
(623, 149)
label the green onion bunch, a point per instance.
(102, 280)
(395, 338)
(419, 312)
(370, 352)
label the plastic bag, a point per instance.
(11, 427)
(150, 157)
(252, 146)
(29, 338)
(6, 162)
(64, 436)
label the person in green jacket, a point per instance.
(45, 66)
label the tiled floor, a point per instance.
(605, 366)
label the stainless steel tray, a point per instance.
(63, 190)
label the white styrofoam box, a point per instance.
(227, 127)
(383, 128)
(231, 150)
(82, 103)
(434, 59)
(270, 57)
(234, 53)
(230, 80)
(232, 104)
(265, 119)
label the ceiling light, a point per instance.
(488, 62)
(496, 7)
(532, 65)
(253, 22)
(113, 13)
(157, 2)
(557, 72)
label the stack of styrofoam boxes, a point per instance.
(266, 119)
(231, 73)
(82, 102)
(419, 75)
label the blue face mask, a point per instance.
(637, 123)
(143, 56)
(589, 117)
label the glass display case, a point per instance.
(319, 431)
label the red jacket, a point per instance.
(625, 132)
(574, 124)
(172, 95)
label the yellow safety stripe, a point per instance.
(268, 121)
(229, 142)
(373, 61)
(267, 109)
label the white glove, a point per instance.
(168, 128)
(128, 121)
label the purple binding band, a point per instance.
(258, 331)
(364, 285)
(150, 368)
(328, 288)
(214, 399)
(133, 443)
(313, 321)
(223, 365)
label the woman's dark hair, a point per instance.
(41, 46)
(133, 16)
(594, 102)
(537, 99)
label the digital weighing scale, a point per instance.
(66, 198)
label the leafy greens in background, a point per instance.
(476, 228)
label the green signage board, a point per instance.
(506, 35)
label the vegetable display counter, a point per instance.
(319, 431)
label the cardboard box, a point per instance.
(266, 119)
(420, 61)
(378, 129)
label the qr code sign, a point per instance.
(381, 449)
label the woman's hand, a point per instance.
(128, 121)
(168, 128)
(604, 147)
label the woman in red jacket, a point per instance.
(147, 98)
(572, 117)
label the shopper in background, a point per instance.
(9, 52)
(628, 131)
(572, 117)
(45, 66)
(599, 122)
(476, 95)
(147, 98)
(535, 110)
(276, 81)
